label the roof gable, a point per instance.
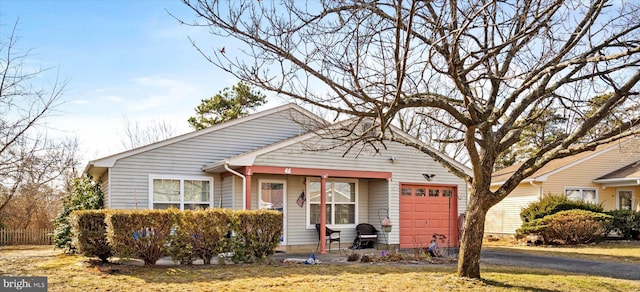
(627, 172)
(247, 159)
(109, 161)
(557, 165)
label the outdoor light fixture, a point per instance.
(428, 176)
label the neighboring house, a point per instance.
(609, 175)
(263, 161)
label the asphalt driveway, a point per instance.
(599, 268)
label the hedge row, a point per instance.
(149, 235)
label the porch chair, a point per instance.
(330, 235)
(366, 235)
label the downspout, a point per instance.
(539, 189)
(244, 185)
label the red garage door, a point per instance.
(426, 210)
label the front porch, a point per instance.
(339, 199)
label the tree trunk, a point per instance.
(471, 242)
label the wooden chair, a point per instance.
(330, 235)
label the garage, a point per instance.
(504, 217)
(426, 210)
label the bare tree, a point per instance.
(29, 159)
(136, 134)
(436, 128)
(490, 66)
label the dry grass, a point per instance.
(74, 273)
(614, 251)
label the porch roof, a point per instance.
(628, 175)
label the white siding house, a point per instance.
(263, 161)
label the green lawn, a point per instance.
(75, 273)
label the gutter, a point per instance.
(539, 189)
(244, 184)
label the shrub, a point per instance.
(140, 234)
(573, 226)
(90, 234)
(180, 250)
(624, 221)
(256, 234)
(551, 204)
(202, 232)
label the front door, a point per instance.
(426, 210)
(272, 196)
(625, 200)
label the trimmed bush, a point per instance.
(201, 234)
(142, 234)
(256, 234)
(551, 204)
(625, 222)
(89, 234)
(573, 227)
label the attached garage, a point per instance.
(504, 217)
(426, 210)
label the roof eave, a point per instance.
(527, 180)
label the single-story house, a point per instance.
(266, 161)
(609, 175)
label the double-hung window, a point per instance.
(581, 194)
(342, 203)
(180, 193)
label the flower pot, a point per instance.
(386, 228)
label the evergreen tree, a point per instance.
(228, 104)
(86, 194)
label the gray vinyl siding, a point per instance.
(378, 204)
(408, 167)
(297, 232)
(226, 191)
(130, 175)
(104, 185)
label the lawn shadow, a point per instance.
(494, 283)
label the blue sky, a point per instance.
(120, 58)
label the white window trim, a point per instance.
(284, 203)
(633, 197)
(336, 226)
(181, 179)
(597, 198)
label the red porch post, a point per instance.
(248, 191)
(323, 214)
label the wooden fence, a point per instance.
(26, 236)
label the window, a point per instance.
(625, 199)
(341, 202)
(183, 194)
(582, 194)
